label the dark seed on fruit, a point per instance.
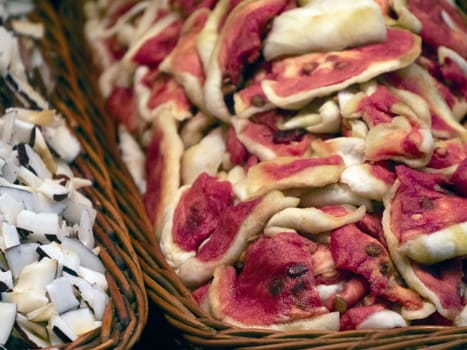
(373, 249)
(340, 304)
(308, 68)
(258, 101)
(275, 287)
(427, 204)
(297, 270)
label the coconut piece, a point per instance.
(80, 321)
(47, 223)
(68, 260)
(9, 54)
(36, 276)
(9, 169)
(21, 129)
(20, 194)
(93, 277)
(9, 207)
(61, 294)
(28, 28)
(42, 314)
(28, 177)
(53, 190)
(85, 232)
(61, 329)
(86, 256)
(26, 301)
(41, 204)
(6, 281)
(73, 211)
(94, 297)
(41, 147)
(33, 331)
(7, 320)
(34, 117)
(20, 256)
(9, 235)
(63, 142)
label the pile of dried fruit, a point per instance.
(52, 282)
(303, 162)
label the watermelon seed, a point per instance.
(373, 249)
(341, 65)
(384, 268)
(297, 270)
(308, 68)
(257, 101)
(275, 287)
(340, 304)
(427, 204)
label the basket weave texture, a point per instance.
(126, 312)
(164, 288)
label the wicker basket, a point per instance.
(199, 329)
(126, 312)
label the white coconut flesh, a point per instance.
(52, 282)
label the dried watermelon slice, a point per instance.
(238, 45)
(442, 24)
(204, 228)
(362, 254)
(453, 69)
(295, 81)
(399, 127)
(369, 180)
(164, 93)
(155, 44)
(371, 317)
(349, 290)
(429, 221)
(316, 126)
(418, 211)
(103, 27)
(122, 108)
(205, 156)
(334, 194)
(331, 25)
(313, 221)
(292, 172)
(162, 168)
(262, 137)
(274, 289)
(447, 156)
(184, 63)
(459, 178)
(417, 80)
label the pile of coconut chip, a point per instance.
(52, 282)
(303, 162)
